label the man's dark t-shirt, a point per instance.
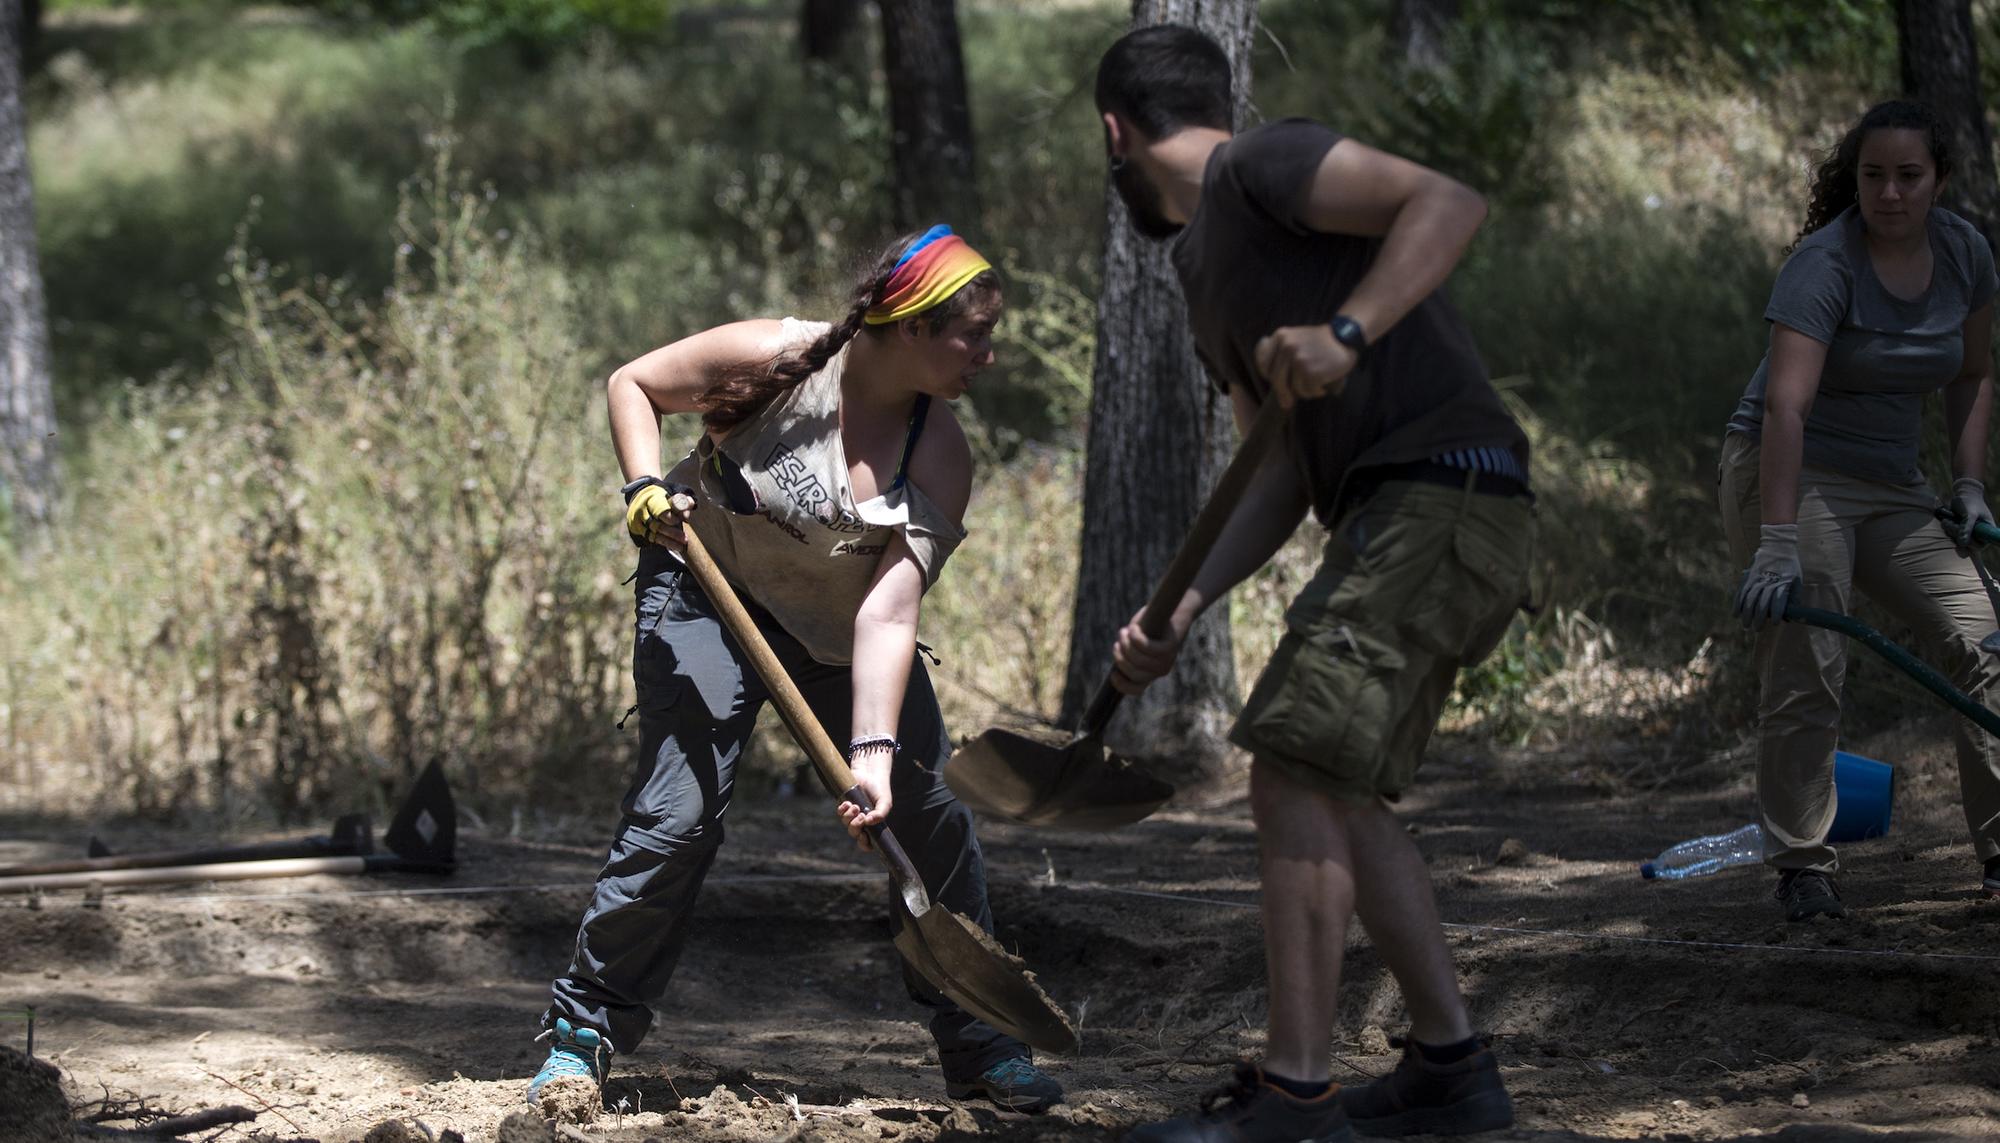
(1249, 264)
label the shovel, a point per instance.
(955, 955)
(421, 839)
(350, 835)
(1046, 777)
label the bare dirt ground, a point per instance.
(1619, 1009)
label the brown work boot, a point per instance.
(1808, 893)
(1250, 1109)
(1423, 1098)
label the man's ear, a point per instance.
(1116, 137)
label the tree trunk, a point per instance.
(930, 122)
(1940, 56)
(1160, 434)
(1420, 28)
(27, 408)
(824, 26)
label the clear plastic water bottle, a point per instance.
(1705, 855)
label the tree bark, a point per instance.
(824, 26)
(1940, 58)
(930, 120)
(1420, 28)
(27, 406)
(1160, 434)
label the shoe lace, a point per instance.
(1015, 1072)
(570, 1057)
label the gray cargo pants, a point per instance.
(698, 700)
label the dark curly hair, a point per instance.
(1833, 181)
(742, 393)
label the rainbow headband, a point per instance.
(934, 268)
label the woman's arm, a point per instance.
(1789, 389)
(671, 379)
(1968, 407)
(1968, 401)
(885, 627)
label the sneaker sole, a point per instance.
(1487, 1111)
(1006, 1102)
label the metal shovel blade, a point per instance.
(1045, 777)
(1051, 778)
(983, 978)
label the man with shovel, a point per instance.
(1312, 266)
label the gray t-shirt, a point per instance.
(1884, 353)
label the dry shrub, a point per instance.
(364, 540)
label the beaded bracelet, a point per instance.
(873, 742)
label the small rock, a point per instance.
(1800, 1101)
(1682, 1105)
(1512, 852)
(1374, 1041)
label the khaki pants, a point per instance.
(1883, 539)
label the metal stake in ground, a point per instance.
(946, 949)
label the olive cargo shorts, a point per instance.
(1417, 580)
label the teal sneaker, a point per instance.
(576, 1052)
(1016, 1084)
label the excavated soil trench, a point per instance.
(1619, 1009)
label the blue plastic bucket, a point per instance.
(1865, 792)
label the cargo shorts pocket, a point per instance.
(1329, 693)
(1472, 596)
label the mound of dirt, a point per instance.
(523, 1127)
(32, 1093)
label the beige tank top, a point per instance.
(774, 507)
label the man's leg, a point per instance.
(1396, 905)
(1304, 858)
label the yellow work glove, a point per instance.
(653, 511)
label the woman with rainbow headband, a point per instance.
(829, 487)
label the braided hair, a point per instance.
(743, 392)
(1834, 188)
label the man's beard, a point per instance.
(1142, 202)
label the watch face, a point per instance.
(1348, 332)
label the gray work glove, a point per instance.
(1968, 509)
(1767, 586)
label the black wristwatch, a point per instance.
(1348, 332)
(632, 489)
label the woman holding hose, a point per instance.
(1887, 297)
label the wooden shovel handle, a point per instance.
(1201, 537)
(833, 770)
